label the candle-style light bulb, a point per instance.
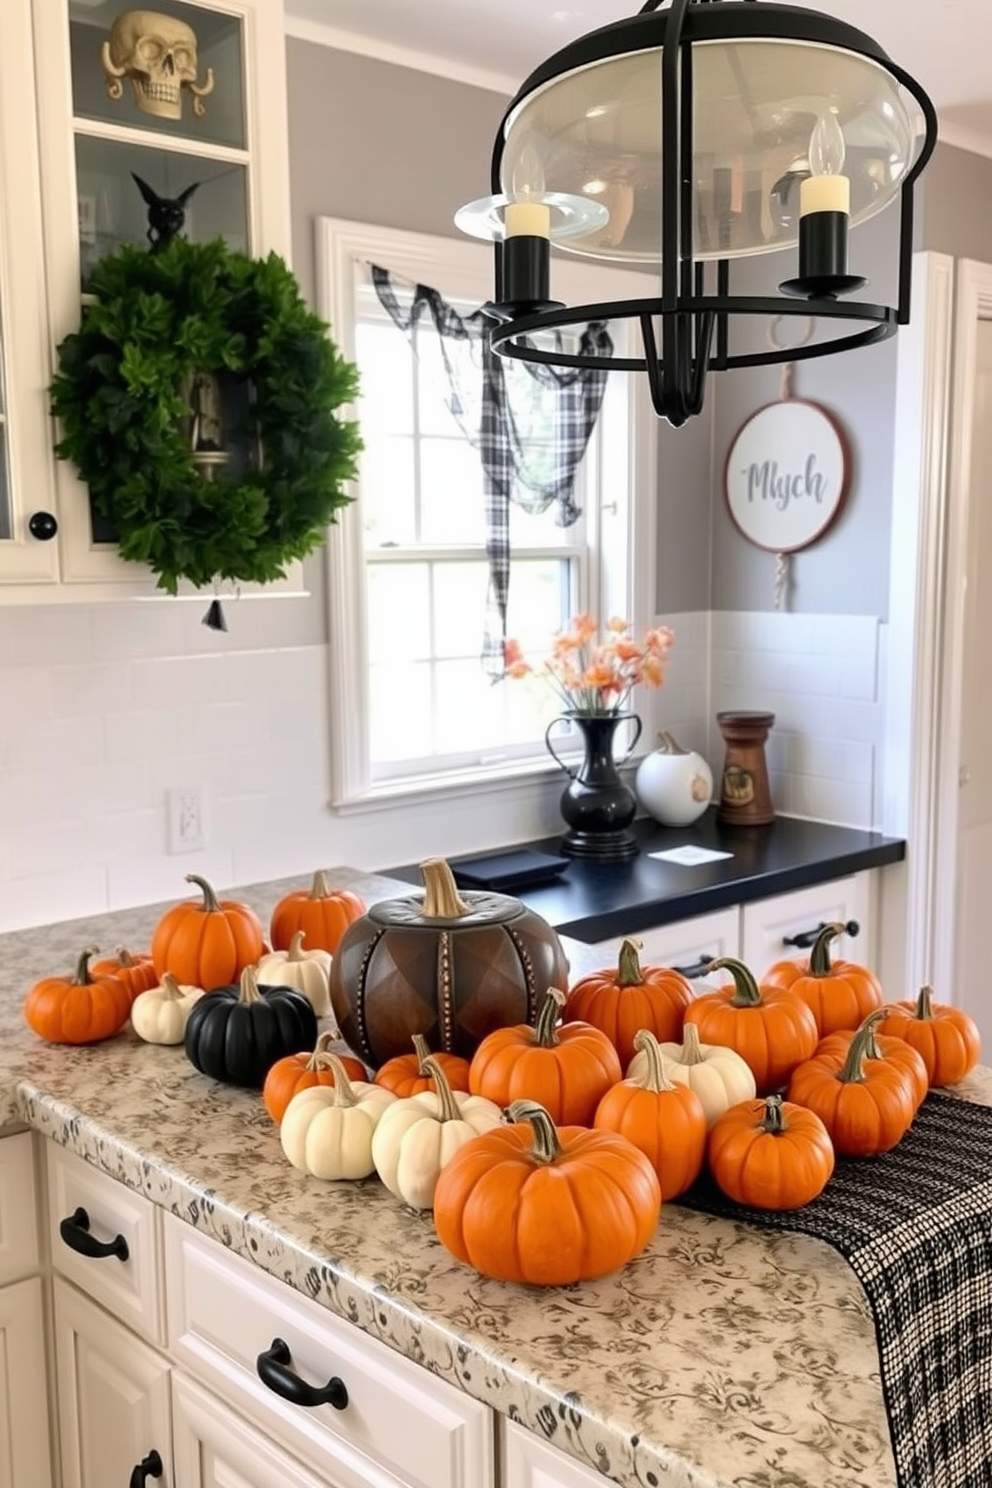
(826, 189)
(526, 214)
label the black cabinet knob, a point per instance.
(806, 938)
(43, 526)
(148, 1467)
(75, 1232)
(272, 1371)
(697, 969)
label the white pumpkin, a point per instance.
(159, 1015)
(308, 971)
(719, 1076)
(327, 1130)
(420, 1133)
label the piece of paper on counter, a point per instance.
(690, 856)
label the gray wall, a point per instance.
(957, 204)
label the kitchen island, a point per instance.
(722, 1357)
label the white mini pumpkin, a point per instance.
(159, 1015)
(308, 971)
(327, 1130)
(420, 1133)
(719, 1076)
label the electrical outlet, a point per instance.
(187, 818)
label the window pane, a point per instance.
(389, 506)
(399, 613)
(452, 504)
(459, 609)
(400, 725)
(384, 361)
(540, 590)
(469, 709)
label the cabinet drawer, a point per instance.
(18, 1225)
(685, 944)
(529, 1462)
(223, 1313)
(766, 925)
(129, 1285)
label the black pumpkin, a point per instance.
(239, 1032)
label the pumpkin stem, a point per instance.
(773, 1121)
(819, 956)
(445, 1095)
(124, 957)
(319, 889)
(441, 898)
(860, 1049)
(924, 1003)
(295, 950)
(747, 993)
(82, 977)
(319, 1058)
(545, 1034)
(669, 744)
(422, 1049)
(546, 1146)
(344, 1092)
(654, 1078)
(211, 904)
(170, 987)
(692, 1049)
(629, 972)
(248, 986)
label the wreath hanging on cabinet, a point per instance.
(159, 322)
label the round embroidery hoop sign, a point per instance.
(786, 475)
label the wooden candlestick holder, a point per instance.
(745, 795)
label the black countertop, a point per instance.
(596, 901)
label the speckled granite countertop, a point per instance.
(722, 1357)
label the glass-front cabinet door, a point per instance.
(146, 117)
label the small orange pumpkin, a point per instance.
(665, 1120)
(567, 1070)
(624, 1000)
(322, 913)
(544, 1206)
(770, 1154)
(769, 1028)
(294, 1072)
(406, 1074)
(867, 1105)
(135, 970)
(945, 1037)
(80, 1009)
(207, 945)
(839, 994)
(895, 1050)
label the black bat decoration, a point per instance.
(166, 215)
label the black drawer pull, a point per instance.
(697, 969)
(148, 1467)
(272, 1371)
(75, 1232)
(806, 938)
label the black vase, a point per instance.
(596, 804)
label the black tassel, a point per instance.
(214, 618)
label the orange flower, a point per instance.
(597, 678)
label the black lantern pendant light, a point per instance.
(688, 137)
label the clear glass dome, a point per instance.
(596, 132)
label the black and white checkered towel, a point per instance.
(916, 1226)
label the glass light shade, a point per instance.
(569, 216)
(596, 132)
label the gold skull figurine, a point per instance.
(158, 53)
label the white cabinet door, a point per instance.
(769, 927)
(113, 1397)
(686, 945)
(529, 1462)
(18, 1209)
(25, 1451)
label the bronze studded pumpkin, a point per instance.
(449, 966)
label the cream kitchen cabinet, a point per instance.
(528, 1462)
(25, 1449)
(74, 135)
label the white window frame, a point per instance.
(446, 262)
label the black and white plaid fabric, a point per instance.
(916, 1227)
(530, 424)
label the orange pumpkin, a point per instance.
(546, 1207)
(207, 945)
(322, 913)
(945, 1037)
(895, 1050)
(629, 998)
(770, 1029)
(666, 1121)
(136, 971)
(296, 1072)
(770, 1154)
(80, 1009)
(839, 994)
(407, 1075)
(867, 1105)
(567, 1070)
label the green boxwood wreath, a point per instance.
(191, 307)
